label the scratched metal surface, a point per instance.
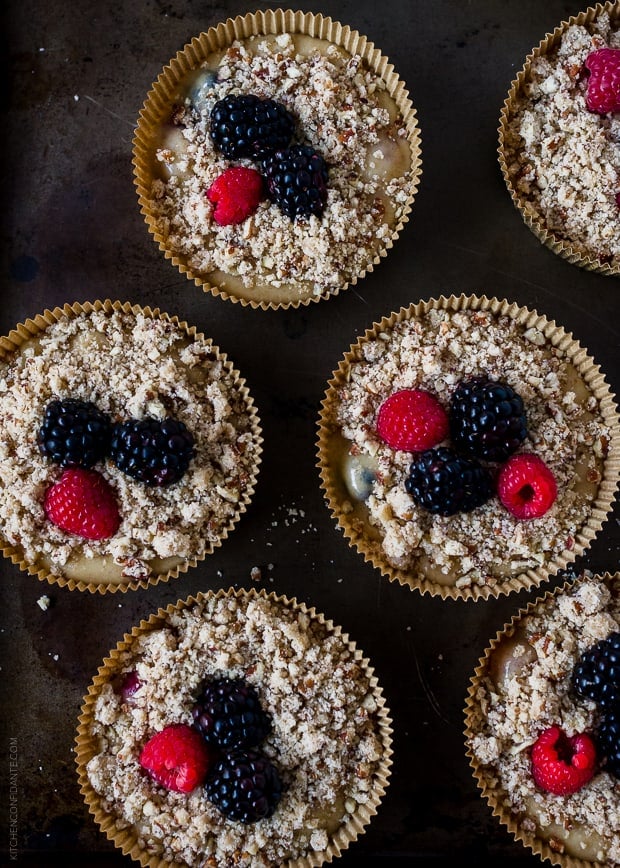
(72, 231)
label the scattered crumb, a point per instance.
(44, 602)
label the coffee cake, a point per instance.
(329, 737)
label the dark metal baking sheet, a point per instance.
(78, 73)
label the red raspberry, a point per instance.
(235, 194)
(526, 486)
(603, 95)
(178, 758)
(412, 420)
(82, 503)
(562, 765)
(130, 686)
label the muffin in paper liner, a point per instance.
(561, 164)
(431, 346)
(323, 671)
(523, 686)
(268, 261)
(132, 362)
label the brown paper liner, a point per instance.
(158, 102)
(86, 746)
(486, 782)
(527, 209)
(333, 487)
(23, 332)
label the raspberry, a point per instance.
(562, 765)
(235, 194)
(412, 420)
(487, 420)
(177, 757)
(444, 483)
(130, 686)
(597, 673)
(82, 503)
(297, 181)
(526, 486)
(603, 95)
(228, 714)
(245, 786)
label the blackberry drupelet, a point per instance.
(244, 786)
(153, 451)
(246, 126)
(487, 419)
(297, 181)
(608, 741)
(445, 483)
(228, 714)
(597, 673)
(74, 433)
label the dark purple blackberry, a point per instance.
(297, 181)
(244, 785)
(487, 419)
(246, 126)
(229, 715)
(608, 741)
(74, 433)
(153, 451)
(444, 483)
(597, 673)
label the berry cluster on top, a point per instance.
(76, 435)
(219, 751)
(485, 423)
(563, 765)
(294, 175)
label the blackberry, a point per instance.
(228, 714)
(153, 451)
(487, 419)
(246, 126)
(297, 181)
(244, 786)
(608, 741)
(444, 483)
(597, 673)
(74, 433)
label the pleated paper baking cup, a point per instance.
(131, 519)
(482, 550)
(330, 738)
(345, 101)
(563, 181)
(520, 689)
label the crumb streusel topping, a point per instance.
(130, 366)
(325, 739)
(565, 429)
(517, 699)
(564, 160)
(342, 109)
